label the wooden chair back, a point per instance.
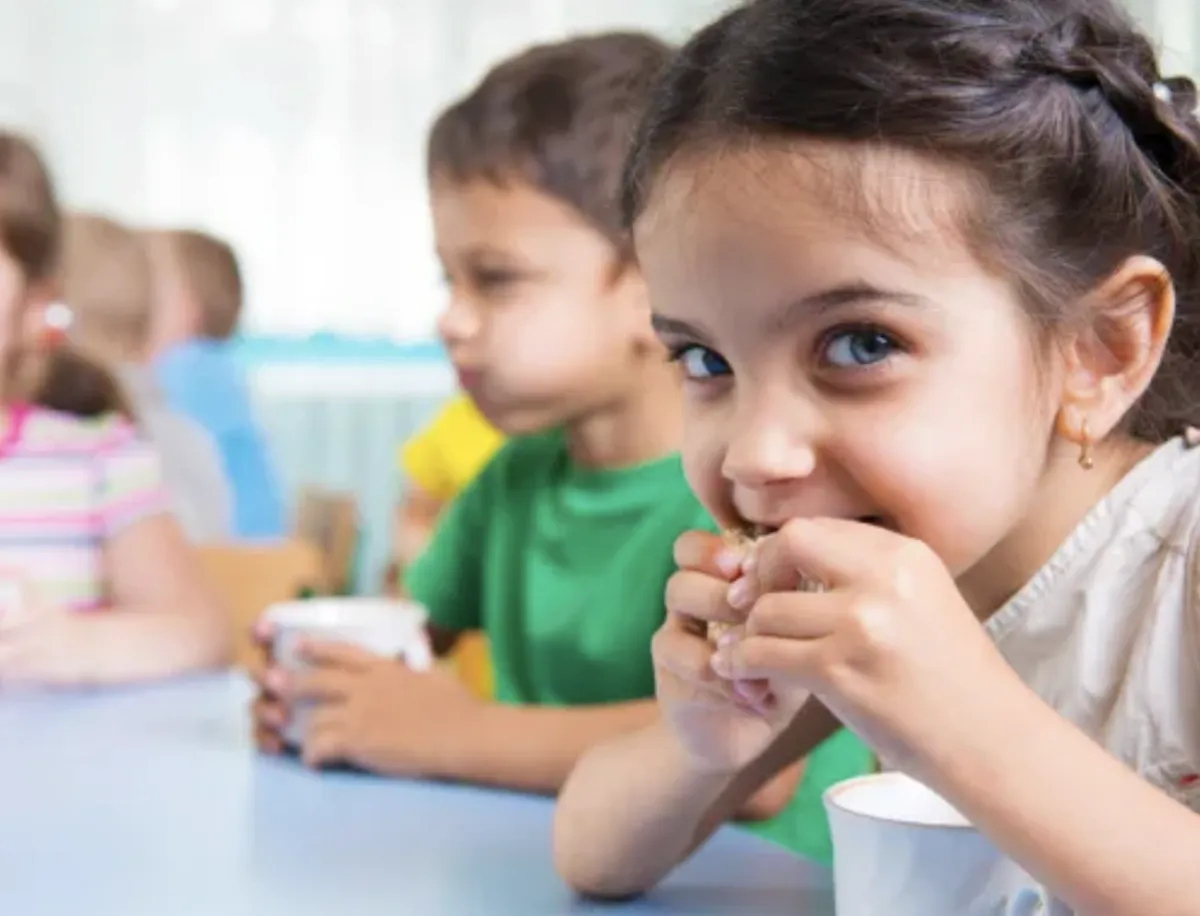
(329, 520)
(252, 577)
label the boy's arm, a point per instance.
(636, 807)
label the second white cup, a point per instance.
(394, 629)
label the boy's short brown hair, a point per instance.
(558, 116)
(105, 276)
(208, 267)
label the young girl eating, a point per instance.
(931, 270)
(97, 584)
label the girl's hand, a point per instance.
(39, 645)
(890, 646)
(722, 725)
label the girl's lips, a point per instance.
(754, 530)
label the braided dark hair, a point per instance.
(1087, 155)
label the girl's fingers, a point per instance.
(681, 652)
(756, 696)
(795, 615)
(708, 553)
(701, 597)
(767, 658)
(834, 552)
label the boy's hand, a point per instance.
(374, 712)
(723, 725)
(269, 711)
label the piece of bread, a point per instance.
(741, 539)
(746, 539)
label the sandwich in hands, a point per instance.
(745, 539)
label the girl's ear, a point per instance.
(1112, 357)
(39, 314)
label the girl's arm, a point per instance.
(1108, 842)
(635, 808)
(164, 619)
(535, 749)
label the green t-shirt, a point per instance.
(563, 567)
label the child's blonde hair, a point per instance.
(105, 275)
(208, 269)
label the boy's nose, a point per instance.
(458, 323)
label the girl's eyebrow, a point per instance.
(857, 292)
(798, 311)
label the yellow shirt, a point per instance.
(447, 454)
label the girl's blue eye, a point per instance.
(701, 363)
(858, 349)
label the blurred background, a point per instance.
(295, 128)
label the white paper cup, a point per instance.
(394, 629)
(901, 849)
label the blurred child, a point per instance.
(439, 462)
(931, 270)
(560, 549)
(198, 302)
(105, 276)
(99, 585)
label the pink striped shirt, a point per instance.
(67, 486)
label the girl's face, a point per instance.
(12, 298)
(22, 313)
(845, 353)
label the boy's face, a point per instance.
(541, 325)
(173, 317)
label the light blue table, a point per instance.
(150, 802)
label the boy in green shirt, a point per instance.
(561, 548)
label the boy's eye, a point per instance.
(491, 279)
(700, 362)
(859, 348)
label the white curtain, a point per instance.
(296, 127)
(1175, 25)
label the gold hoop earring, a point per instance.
(1086, 461)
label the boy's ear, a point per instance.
(1110, 361)
(634, 303)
